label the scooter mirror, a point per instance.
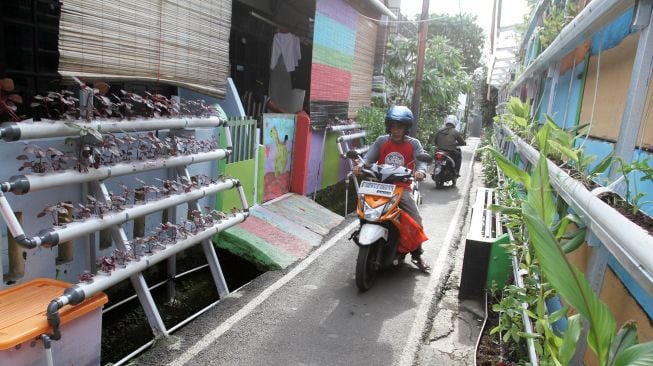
(352, 154)
(424, 157)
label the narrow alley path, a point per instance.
(313, 313)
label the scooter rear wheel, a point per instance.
(366, 266)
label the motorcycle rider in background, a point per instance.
(399, 149)
(448, 139)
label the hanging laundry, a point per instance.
(286, 45)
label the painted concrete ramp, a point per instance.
(279, 232)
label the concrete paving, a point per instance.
(311, 313)
(454, 326)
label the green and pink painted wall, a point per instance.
(334, 43)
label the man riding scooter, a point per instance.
(399, 149)
(448, 139)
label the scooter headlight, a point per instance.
(372, 214)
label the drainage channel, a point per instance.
(125, 329)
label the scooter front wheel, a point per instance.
(366, 266)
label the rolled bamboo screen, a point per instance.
(178, 42)
(362, 68)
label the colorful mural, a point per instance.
(278, 138)
(334, 43)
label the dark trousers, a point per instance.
(457, 157)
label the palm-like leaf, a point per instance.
(637, 355)
(566, 151)
(569, 339)
(573, 243)
(540, 197)
(626, 337)
(602, 166)
(509, 169)
(570, 283)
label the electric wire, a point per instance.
(596, 87)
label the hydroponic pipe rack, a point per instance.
(625, 240)
(92, 181)
(12, 131)
(21, 184)
(51, 237)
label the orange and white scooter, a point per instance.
(386, 232)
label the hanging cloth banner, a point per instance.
(611, 35)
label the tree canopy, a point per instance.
(463, 33)
(443, 80)
(453, 53)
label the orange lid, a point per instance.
(23, 310)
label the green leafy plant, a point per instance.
(620, 348)
(563, 142)
(489, 166)
(510, 327)
(555, 20)
(535, 292)
(517, 117)
(373, 120)
(633, 196)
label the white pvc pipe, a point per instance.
(57, 179)
(353, 136)
(344, 127)
(243, 198)
(526, 320)
(362, 150)
(592, 18)
(256, 162)
(382, 9)
(77, 229)
(103, 282)
(49, 129)
(8, 214)
(626, 241)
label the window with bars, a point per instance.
(29, 55)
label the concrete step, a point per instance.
(279, 232)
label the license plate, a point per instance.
(378, 189)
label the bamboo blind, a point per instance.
(362, 66)
(179, 42)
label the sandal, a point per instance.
(399, 260)
(420, 263)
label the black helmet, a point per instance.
(401, 114)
